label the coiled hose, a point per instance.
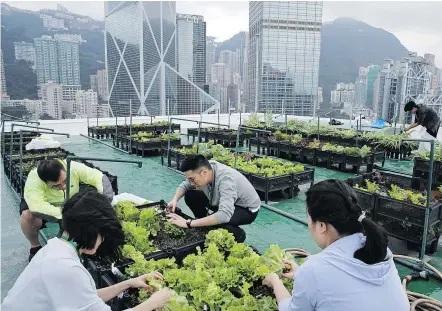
(417, 301)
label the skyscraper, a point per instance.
(52, 95)
(141, 61)
(372, 75)
(191, 47)
(361, 88)
(57, 61)
(399, 82)
(2, 75)
(221, 74)
(231, 59)
(94, 83)
(283, 56)
(210, 57)
(102, 84)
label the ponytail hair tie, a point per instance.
(361, 217)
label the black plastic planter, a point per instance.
(400, 219)
(279, 183)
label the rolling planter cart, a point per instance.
(405, 215)
(167, 246)
(276, 183)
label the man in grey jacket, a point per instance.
(214, 187)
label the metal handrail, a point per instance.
(21, 155)
(237, 138)
(430, 181)
(12, 141)
(71, 158)
(199, 132)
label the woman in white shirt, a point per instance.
(56, 280)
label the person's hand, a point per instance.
(158, 299)
(171, 206)
(140, 282)
(270, 280)
(293, 269)
(177, 220)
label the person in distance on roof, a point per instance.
(425, 116)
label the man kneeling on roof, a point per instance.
(44, 194)
(218, 195)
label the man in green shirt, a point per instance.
(44, 194)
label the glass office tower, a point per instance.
(141, 61)
(283, 56)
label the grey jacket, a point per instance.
(229, 189)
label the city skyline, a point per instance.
(421, 35)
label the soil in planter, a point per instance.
(164, 241)
(258, 290)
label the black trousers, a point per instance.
(198, 203)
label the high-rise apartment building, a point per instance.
(57, 61)
(102, 84)
(210, 57)
(361, 88)
(372, 75)
(142, 63)
(231, 59)
(24, 50)
(283, 56)
(94, 83)
(2, 75)
(52, 95)
(221, 74)
(86, 103)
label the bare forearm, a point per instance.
(110, 292)
(280, 291)
(413, 126)
(178, 194)
(205, 222)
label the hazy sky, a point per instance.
(417, 24)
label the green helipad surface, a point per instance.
(155, 182)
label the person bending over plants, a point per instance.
(45, 192)
(218, 195)
(355, 269)
(56, 278)
(425, 116)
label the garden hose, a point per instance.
(417, 301)
(427, 265)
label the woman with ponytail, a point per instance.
(355, 269)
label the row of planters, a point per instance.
(391, 144)
(330, 155)
(225, 137)
(108, 131)
(398, 204)
(421, 168)
(267, 175)
(30, 161)
(6, 144)
(211, 272)
(146, 143)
